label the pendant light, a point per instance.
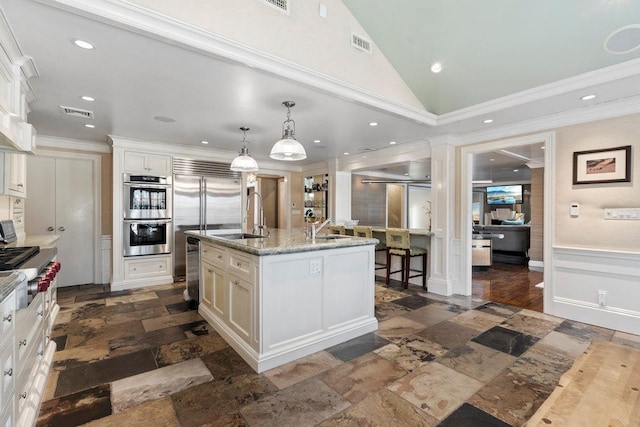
(244, 162)
(288, 148)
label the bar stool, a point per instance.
(398, 244)
(365, 231)
(337, 229)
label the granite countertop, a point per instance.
(9, 280)
(282, 241)
(43, 241)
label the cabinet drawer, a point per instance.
(240, 265)
(7, 372)
(141, 268)
(215, 256)
(7, 315)
(29, 330)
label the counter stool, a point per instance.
(398, 244)
(337, 229)
(365, 231)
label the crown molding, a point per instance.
(45, 141)
(581, 81)
(133, 17)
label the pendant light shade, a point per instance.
(288, 148)
(244, 162)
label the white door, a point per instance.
(61, 201)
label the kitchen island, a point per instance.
(278, 298)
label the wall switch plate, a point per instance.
(574, 210)
(622, 213)
(315, 266)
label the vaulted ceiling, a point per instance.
(507, 61)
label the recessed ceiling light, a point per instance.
(83, 44)
(205, 142)
(488, 121)
(316, 141)
(373, 124)
(406, 174)
(542, 148)
(436, 67)
(515, 170)
(392, 142)
(90, 126)
(346, 154)
(164, 119)
(588, 97)
(87, 98)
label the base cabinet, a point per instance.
(26, 353)
(240, 307)
(214, 293)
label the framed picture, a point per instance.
(602, 166)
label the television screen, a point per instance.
(504, 194)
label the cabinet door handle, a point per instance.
(23, 342)
(50, 228)
(8, 372)
(220, 257)
(61, 228)
(7, 318)
(22, 395)
(41, 352)
(20, 185)
(40, 313)
(236, 282)
(211, 271)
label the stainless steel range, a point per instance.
(37, 264)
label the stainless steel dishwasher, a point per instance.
(192, 249)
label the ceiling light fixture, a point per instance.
(373, 124)
(316, 141)
(587, 97)
(392, 143)
(346, 153)
(436, 67)
(87, 98)
(488, 121)
(83, 44)
(244, 162)
(204, 142)
(288, 148)
(90, 126)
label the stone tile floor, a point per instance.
(142, 357)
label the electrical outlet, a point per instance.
(602, 297)
(315, 266)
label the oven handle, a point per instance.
(143, 185)
(147, 221)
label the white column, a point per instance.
(339, 193)
(444, 253)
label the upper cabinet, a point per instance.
(13, 176)
(15, 94)
(147, 163)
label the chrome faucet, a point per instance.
(261, 228)
(315, 230)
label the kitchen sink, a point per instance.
(239, 236)
(332, 237)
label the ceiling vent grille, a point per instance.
(281, 5)
(360, 43)
(76, 112)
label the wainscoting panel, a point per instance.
(597, 287)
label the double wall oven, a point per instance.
(147, 228)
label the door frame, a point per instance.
(466, 193)
(96, 163)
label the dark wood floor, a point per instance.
(508, 284)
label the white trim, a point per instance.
(106, 259)
(466, 192)
(44, 141)
(96, 161)
(581, 81)
(536, 265)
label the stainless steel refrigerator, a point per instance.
(203, 202)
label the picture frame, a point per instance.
(602, 166)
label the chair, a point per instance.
(398, 244)
(365, 231)
(337, 229)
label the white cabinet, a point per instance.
(228, 289)
(148, 163)
(145, 267)
(17, 174)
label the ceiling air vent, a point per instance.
(281, 5)
(361, 43)
(76, 112)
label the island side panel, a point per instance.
(313, 300)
